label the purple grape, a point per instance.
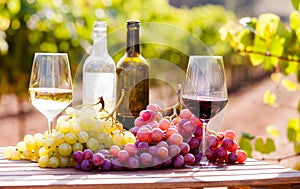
(156, 163)
(78, 156)
(134, 130)
(181, 123)
(162, 143)
(104, 152)
(211, 155)
(116, 165)
(212, 141)
(193, 142)
(186, 135)
(189, 159)
(167, 162)
(162, 152)
(132, 163)
(227, 143)
(143, 147)
(185, 148)
(174, 150)
(232, 158)
(189, 127)
(198, 156)
(157, 135)
(86, 165)
(221, 153)
(87, 154)
(98, 159)
(147, 115)
(139, 121)
(146, 159)
(78, 166)
(152, 150)
(123, 156)
(106, 166)
(178, 161)
(154, 124)
(131, 149)
(198, 132)
(194, 151)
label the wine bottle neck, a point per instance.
(99, 38)
(133, 41)
(100, 42)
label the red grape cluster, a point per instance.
(163, 142)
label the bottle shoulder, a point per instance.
(126, 60)
(99, 64)
(99, 59)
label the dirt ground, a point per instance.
(245, 113)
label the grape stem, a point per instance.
(178, 106)
(117, 105)
(279, 159)
(268, 54)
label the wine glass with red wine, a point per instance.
(205, 93)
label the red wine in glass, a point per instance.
(205, 107)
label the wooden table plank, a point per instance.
(26, 174)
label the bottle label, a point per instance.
(97, 85)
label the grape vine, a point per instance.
(269, 43)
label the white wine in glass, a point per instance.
(50, 86)
(205, 93)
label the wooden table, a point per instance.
(252, 174)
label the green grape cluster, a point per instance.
(81, 128)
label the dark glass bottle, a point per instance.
(133, 77)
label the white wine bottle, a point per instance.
(133, 78)
(99, 71)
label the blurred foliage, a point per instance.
(28, 26)
(270, 43)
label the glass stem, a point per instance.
(204, 160)
(50, 126)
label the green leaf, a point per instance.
(267, 25)
(256, 59)
(296, 4)
(291, 68)
(276, 47)
(297, 147)
(293, 133)
(294, 20)
(245, 145)
(245, 39)
(259, 50)
(272, 131)
(269, 98)
(299, 106)
(270, 146)
(298, 74)
(289, 85)
(259, 145)
(270, 63)
(265, 148)
(247, 136)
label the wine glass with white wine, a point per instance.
(50, 86)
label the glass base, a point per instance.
(214, 166)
